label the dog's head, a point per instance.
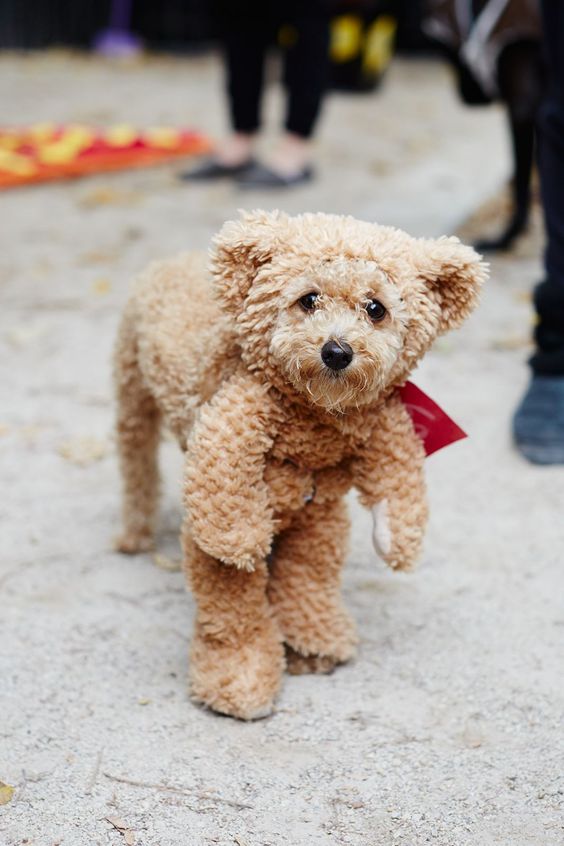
(337, 309)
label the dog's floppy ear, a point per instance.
(454, 274)
(240, 249)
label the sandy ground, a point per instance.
(448, 728)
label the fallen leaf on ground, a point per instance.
(171, 565)
(30, 432)
(511, 342)
(119, 825)
(101, 287)
(106, 196)
(22, 336)
(473, 735)
(97, 257)
(83, 451)
(6, 793)
(523, 296)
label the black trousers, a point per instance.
(549, 295)
(247, 29)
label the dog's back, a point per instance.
(182, 338)
(173, 350)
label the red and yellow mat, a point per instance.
(46, 152)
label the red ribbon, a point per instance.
(435, 428)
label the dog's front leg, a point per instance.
(237, 659)
(236, 653)
(389, 475)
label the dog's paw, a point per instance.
(131, 543)
(239, 680)
(300, 665)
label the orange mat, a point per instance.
(46, 152)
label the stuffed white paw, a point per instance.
(381, 532)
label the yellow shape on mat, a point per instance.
(16, 164)
(121, 136)
(162, 136)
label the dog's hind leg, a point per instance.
(137, 427)
(304, 589)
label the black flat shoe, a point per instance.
(211, 169)
(259, 176)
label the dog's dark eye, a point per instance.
(309, 301)
(375, 310)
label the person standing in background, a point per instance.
(538, 423)
(247, 29)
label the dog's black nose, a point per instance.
(336, 354)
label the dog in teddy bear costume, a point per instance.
(279, 374)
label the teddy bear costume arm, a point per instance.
(389, 475)
(225, 495)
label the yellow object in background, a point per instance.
(346, 38)
(80, 137)
(6, 793)
(59, 152)
(9, 142)
(287, 36)
(73, 140)
(16, 164)
(121, 136)
(46, 151)
(379, 44)
(162, 136)
(361, 49)
(40, 132)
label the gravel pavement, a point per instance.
(448, 729)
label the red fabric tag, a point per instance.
(434, 427)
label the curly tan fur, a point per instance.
(231, 364)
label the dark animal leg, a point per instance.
(520, 80)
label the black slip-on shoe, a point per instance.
(261, 176)
(210, 170)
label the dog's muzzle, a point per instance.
(336, 355)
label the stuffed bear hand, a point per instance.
(381, 530)
(389, 477)
(242, 546)
(226, 498)
(397, 542)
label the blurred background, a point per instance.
(448, 727)
(172, 25)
